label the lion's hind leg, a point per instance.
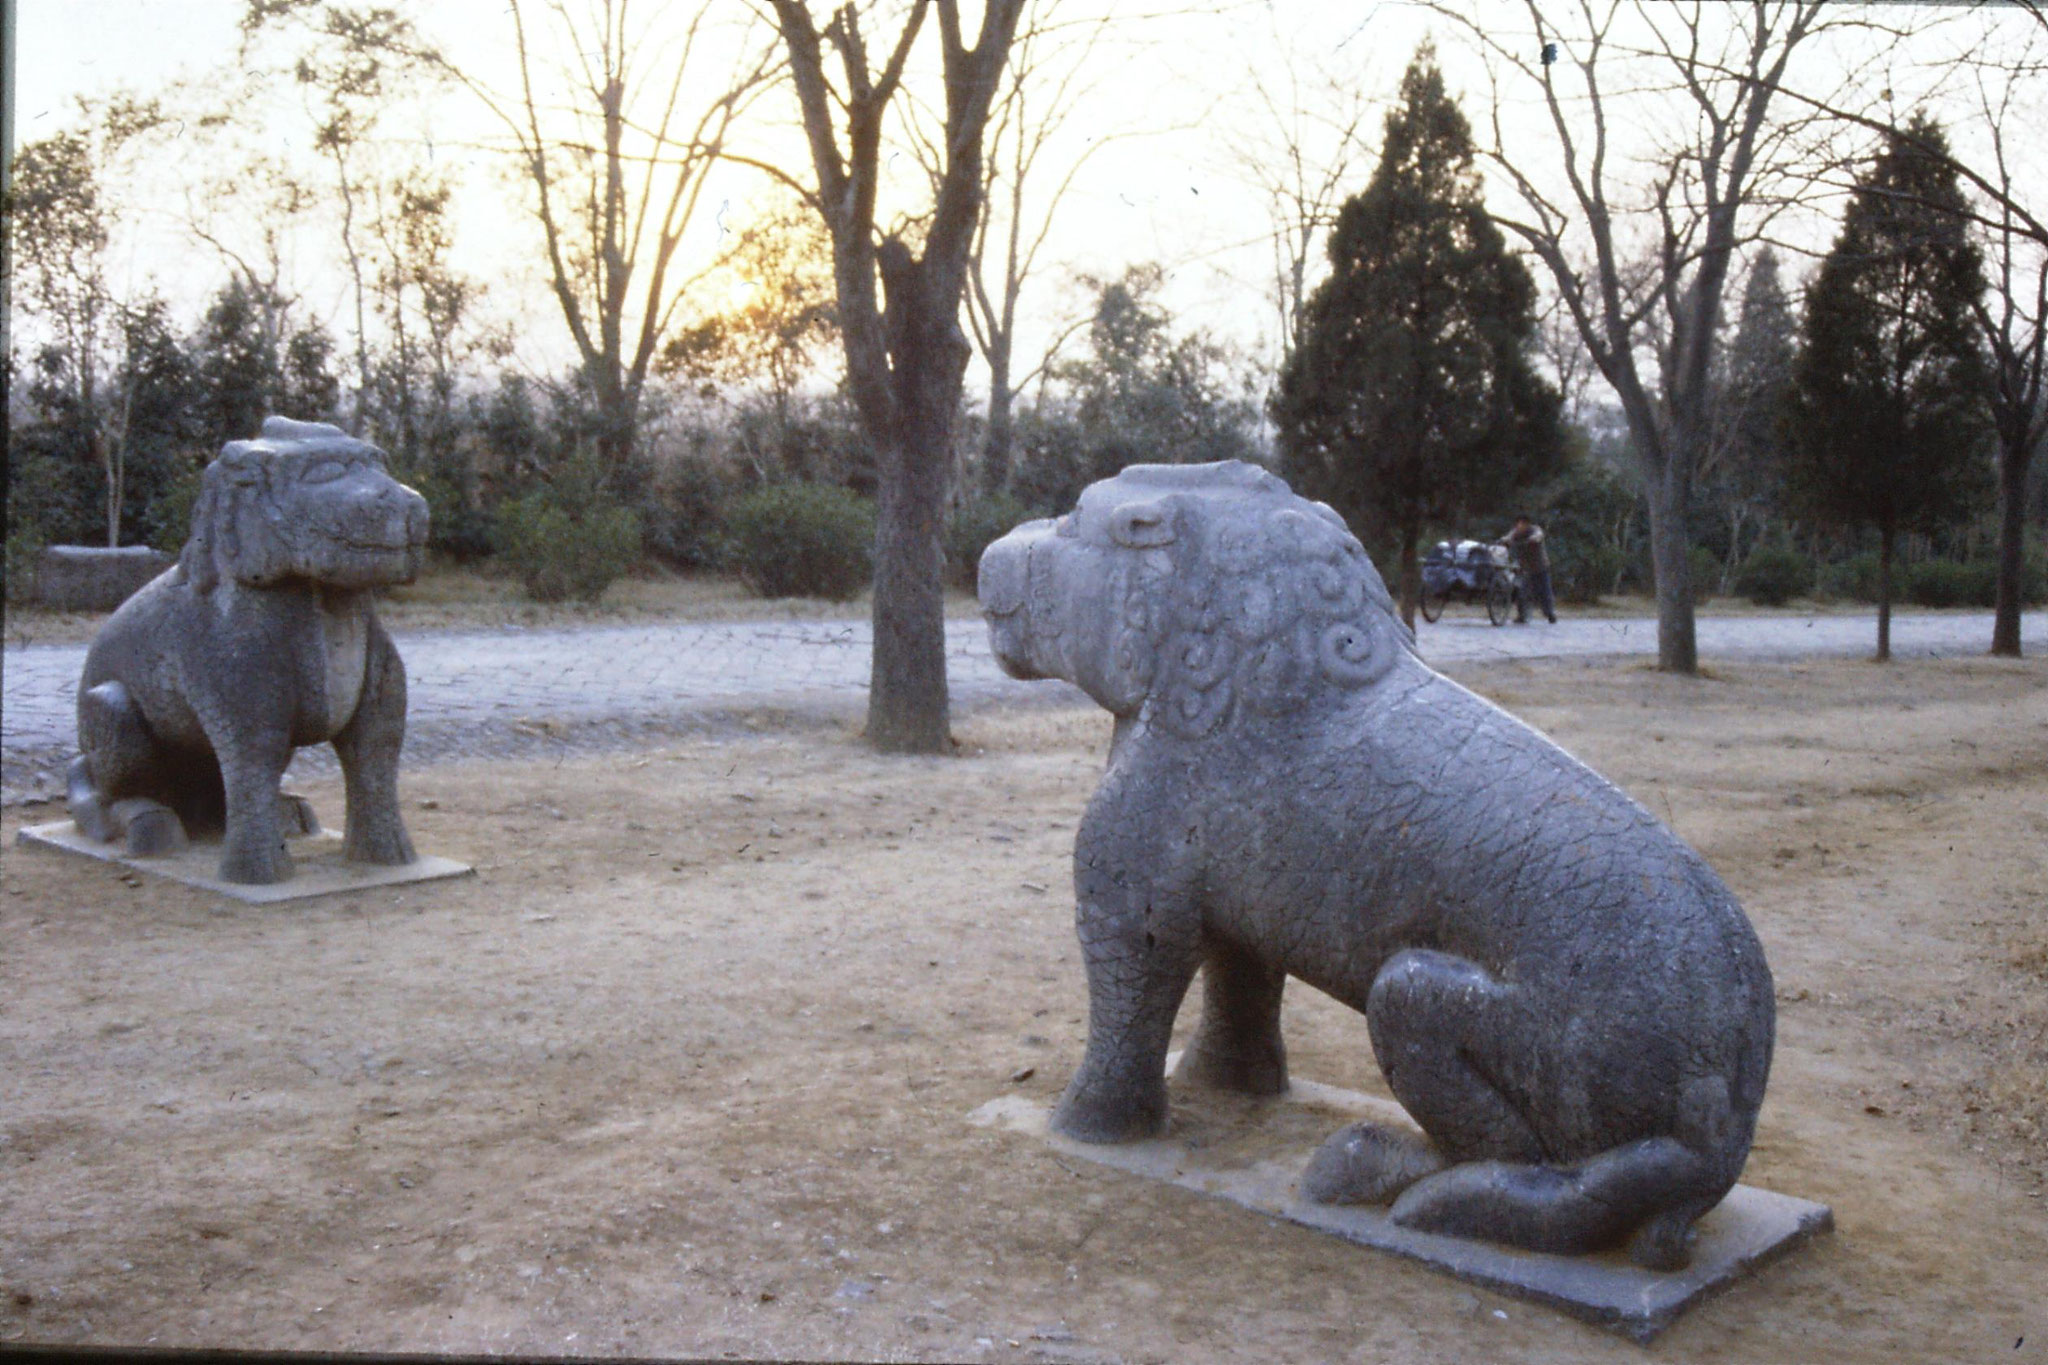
(1646, 1192)
(110, 782)
(1454, 1043)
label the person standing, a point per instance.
(1526, 541)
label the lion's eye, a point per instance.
(324, 471)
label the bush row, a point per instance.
(569, 539)
(1773, 576)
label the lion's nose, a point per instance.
(415, 518)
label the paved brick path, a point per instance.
(540, 691)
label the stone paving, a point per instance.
(539, 692)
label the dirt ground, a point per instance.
(684, 1069)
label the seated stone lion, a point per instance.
(1565, 997)
(261, 639)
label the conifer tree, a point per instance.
(1411, 398)
(1742, 474)
(1888, 423)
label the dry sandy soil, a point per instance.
(684, 1069)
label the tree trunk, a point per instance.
(1885, 538)
(1670, 545)
(114, 505)
(996, 450)
(1738, 515)
(617, 423)
(907, 700)
(1411, 572)
(2012, 544)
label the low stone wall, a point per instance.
(81, 578)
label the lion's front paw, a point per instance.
(256, 863)
(1098, 1114)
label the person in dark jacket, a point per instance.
(1526, 540)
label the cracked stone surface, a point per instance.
(1560, 991)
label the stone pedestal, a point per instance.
(82, 578)
(320, 870)
(1252, 1152)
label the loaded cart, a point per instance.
(1469, 571)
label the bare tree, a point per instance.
(1303, 158)
(1650, 313)
(1564, 351)
(2013, 317)
(615, 165)
(1040, 92)
(2012, 228)
(899, 319)
(60, 217)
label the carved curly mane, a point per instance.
(1259, 602)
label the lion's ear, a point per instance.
(197, 558)
(1142, 525)
(245, 547)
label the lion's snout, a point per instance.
(1003, 584)
(377, 534)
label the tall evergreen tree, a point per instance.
(251, 364)
(1888, 423)
(1411, 398)
(1742, 476)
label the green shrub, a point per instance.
(456, 527)
(1773, 576)
(568, 539)
(970, 530)
(2033, 580)
(1703, 566)
(684, 514)
(801, 540)
(1582, 573)
(1946, 583)
(1854, 578)
(24, 552)
(170, 516)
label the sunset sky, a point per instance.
(1174, 96)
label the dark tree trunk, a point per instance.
(996, 450)
(907, 700)
(2012, 543)
(1886, 536)
(1411, 572)
(904, 360)
(1670, 547)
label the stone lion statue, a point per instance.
(261, 639)
(1564, 996)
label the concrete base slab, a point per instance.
(321, 870)
(1747, 1230)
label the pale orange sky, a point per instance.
(1179, 194)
